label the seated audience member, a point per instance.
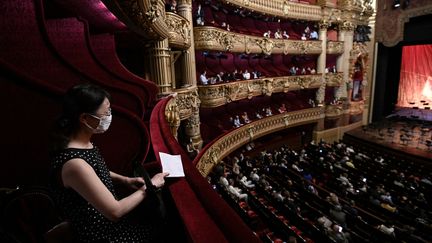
(236, 192)
(254, 175)
(387, 228)
(336, 233)
(282, 109)
(338, 215)
(311, 102)
(246, 75)
(203, 78)
(192, 149)
(292, 71)
(245, 117)
(285, 35)
(223, 180)
(268, 111)
(258, 115)
(313, 71)
(307, 31)
(267, 34)
(227, 77)
(237, 122)
(303, 71)
(236, 75)
(277, 196)
(334, 70)
(170, 6)
(326, 70)
(245, 182)
(303, 37)
(219, 77)
(313, 35)
(255, 75)
(278, 35)
(325, 223)
(200, 16)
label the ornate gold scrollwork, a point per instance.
(172, 116)
(266, 45)
(153, 13)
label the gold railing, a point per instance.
(335, 47)
(221, 94)
(211, 38)
(281, 8)
(179, 31)
(334, 79)
(247, 133)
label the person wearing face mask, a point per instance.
(82, 185)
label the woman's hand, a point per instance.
(158, 180)
(134, 183)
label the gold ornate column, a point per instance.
(320, 95)
(192, 124)
(346, 31)
(184, 9)
(160, 66)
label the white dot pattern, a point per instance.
(90, 225)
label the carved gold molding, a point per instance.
(187, 101)
(334, 110)
(221, 94)
(145, 17)
(211, 38)
(179, 30)
(238, 137)
(172, 116)
(356, 107)
(334, 79)
(335, 47)
(281, 8)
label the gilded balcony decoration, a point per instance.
(334, 110)
(144, 17)
(172, 116)
(390, 23)
(281, 8)
(334, 79)
(245, 134)
(356, 107)
(211, 38)
(187, 101)
(335, 47)
(221, 94)
(179, 31)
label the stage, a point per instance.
(422, 113)
(403, 133)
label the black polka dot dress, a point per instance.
(89, 225)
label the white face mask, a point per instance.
(103, 125)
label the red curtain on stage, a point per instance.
(415, 76)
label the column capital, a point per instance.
(347, 26)
(324, 24)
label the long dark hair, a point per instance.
(82, 98)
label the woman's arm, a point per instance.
(81, 177)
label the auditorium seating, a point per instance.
(361, 224)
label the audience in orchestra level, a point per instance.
(344, 191)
